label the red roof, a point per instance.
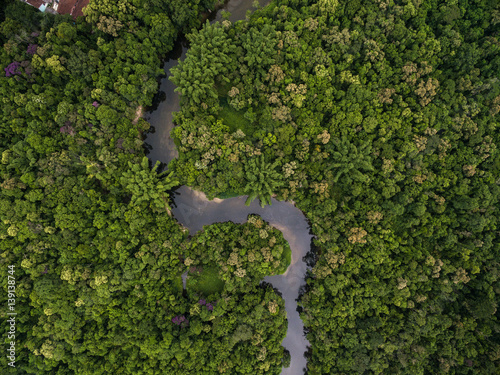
(72, 7)
(35, 3)
(79, 8)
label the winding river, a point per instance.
(194, 210)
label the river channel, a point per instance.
(193, 210)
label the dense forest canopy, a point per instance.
(378, 118)
(85, 220)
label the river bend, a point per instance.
(193, 210)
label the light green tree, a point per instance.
(146, 186)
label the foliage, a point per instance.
(383, 117)
(210, 49)
(238, 323)
(378, 118)
(241, 254)
(262, 180)
(145, 186)
(97, 256)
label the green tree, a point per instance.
(262, 180)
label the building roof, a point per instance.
(79, 8)
(72, 7)
(35, 3)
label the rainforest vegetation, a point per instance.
(378, 118)
(85, 220)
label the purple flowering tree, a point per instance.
(68, 129)
(180, 320)
(32, 48)
(208, 305)
(12, 69)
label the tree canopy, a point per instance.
(380, 119)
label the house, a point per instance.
(39, 4)
(72, 7)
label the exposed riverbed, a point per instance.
(193, 210)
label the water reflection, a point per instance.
(237, 8)
(162, 146)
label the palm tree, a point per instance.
(349, 160)
(146, 186)
(262, 180)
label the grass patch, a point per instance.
(228, 194)
(234, 119)
(207, 283)
(177, 285)
(286, 256)
(223, 88)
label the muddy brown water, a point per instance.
(193, 210)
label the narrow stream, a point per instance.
(193, 210)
